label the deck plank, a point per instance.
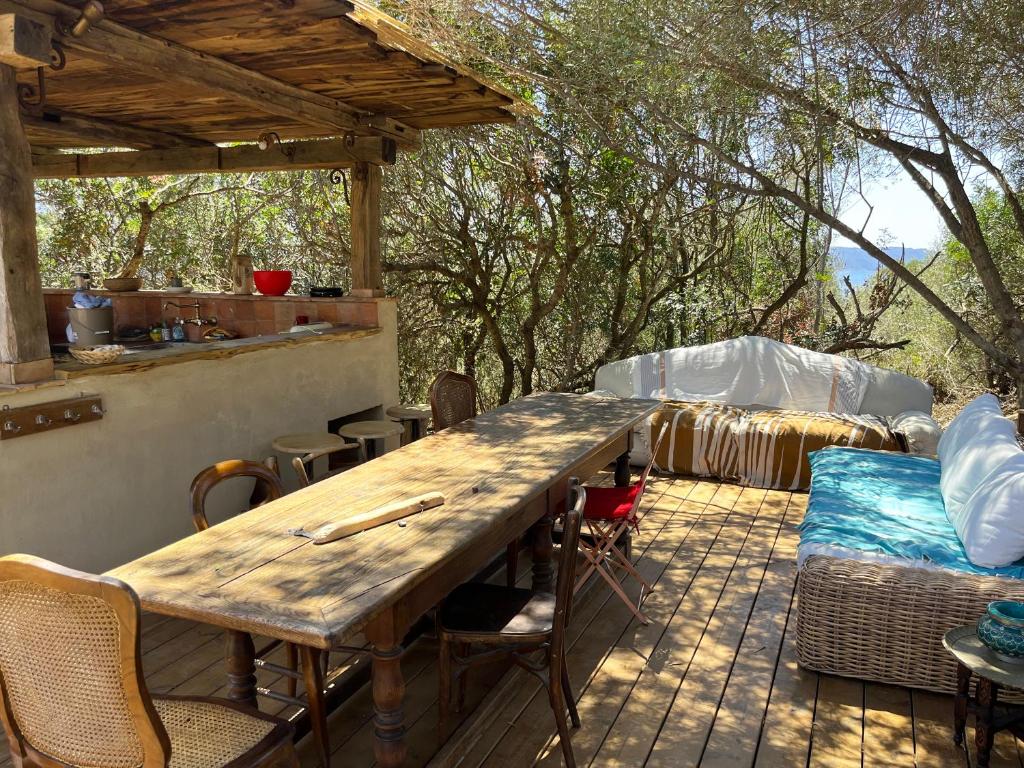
(652, 696)
(689, 721)
(735, 733)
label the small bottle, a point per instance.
(178, 332)
(165, 332)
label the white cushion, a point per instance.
(992, 527)
(967, 424)
(982, 454)
(920, 429)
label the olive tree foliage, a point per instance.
(930, 89)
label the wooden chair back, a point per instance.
(303, 465)
(576, 500)
(71, 686)
(452, 399)
(268, 483)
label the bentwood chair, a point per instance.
(609, 514)
(506, 622)
(268, 488)
(303, 465)
(72, 692)
(453, 399)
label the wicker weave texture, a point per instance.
(885, 623)
(207, 735)
(59, 656)
(453, 400)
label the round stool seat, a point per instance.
(417, 416)
(307, 442)
(370, 430)
(417, 412)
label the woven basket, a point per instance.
(885, 623)
(106, 353)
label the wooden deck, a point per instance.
(712, 681)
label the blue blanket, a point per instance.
(885, 503)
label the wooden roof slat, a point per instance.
(202, 71)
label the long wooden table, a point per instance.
(502, 474)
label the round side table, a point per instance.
(367, 433)
(973, 657)
(305, 443)
(416, 416)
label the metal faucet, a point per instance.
(197, 320)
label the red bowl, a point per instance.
(272, 282)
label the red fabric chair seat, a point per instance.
(610, 503)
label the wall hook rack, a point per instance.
(46, 417)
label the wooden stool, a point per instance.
(367, 433)
(305, 443)
(973, 657)
(416, 416)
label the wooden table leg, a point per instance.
(542, 547)
(241, 664)
(313, 676)
(622, 474)
(984, 733)
(963, 692)
(389, 718)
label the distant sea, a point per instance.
(856, 263)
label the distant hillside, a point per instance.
(856, 263)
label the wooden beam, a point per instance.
(24, 344)
(115, 43)
(365, 223)
(24, 43)
(291, 156)
(85, 131)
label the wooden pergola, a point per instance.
(194, 86)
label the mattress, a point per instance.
(886, 508)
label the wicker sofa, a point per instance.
(880, 614)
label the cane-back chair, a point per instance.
(452, 399)
(506, 622)
(609, 514)
(72, 691)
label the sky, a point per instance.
(900, 208)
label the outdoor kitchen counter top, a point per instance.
(168, 353)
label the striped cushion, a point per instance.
(772, 446)
(700, 439)
(764, 449)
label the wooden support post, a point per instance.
(365, 217)
(24, 344)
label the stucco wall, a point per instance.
(97, 495)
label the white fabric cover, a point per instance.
(890, 393)
(748, 371)
(992, 528)
(969, 422)
(920, 429)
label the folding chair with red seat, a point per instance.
(608, 515)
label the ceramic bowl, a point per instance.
(1002, 630)
(272, 282)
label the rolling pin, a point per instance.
(379, 516)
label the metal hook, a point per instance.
(32, 98)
